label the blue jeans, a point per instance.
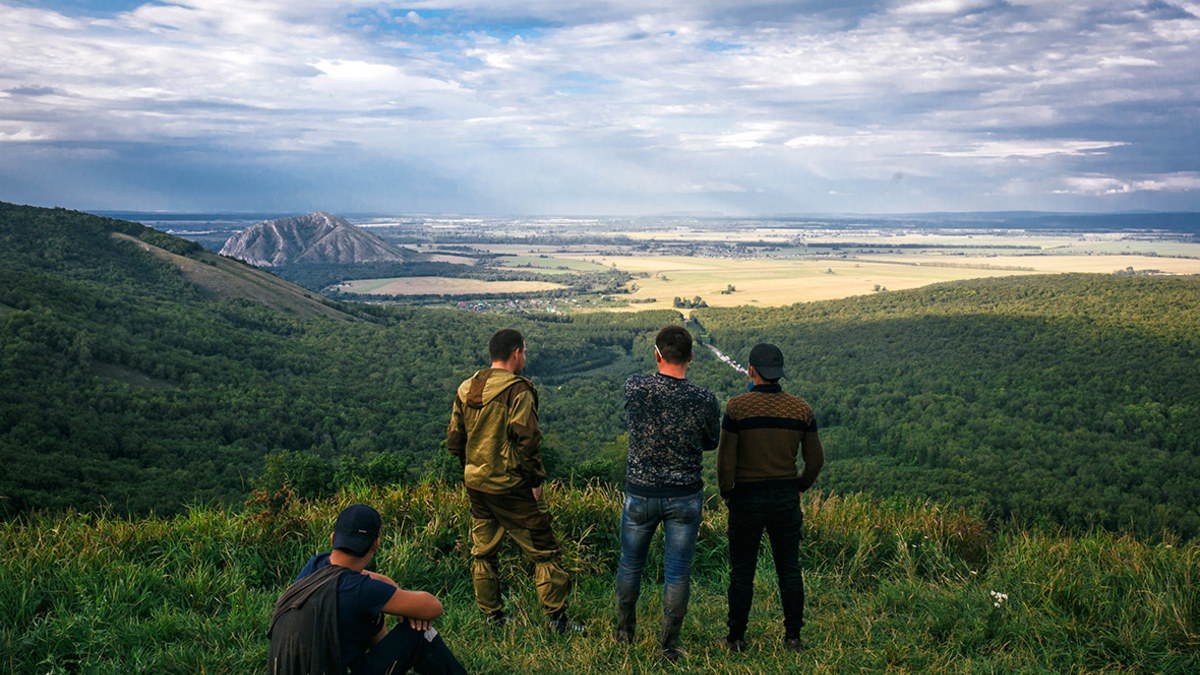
(680, 518)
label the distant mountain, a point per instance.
(316, 238)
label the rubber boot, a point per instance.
(626, 623)
(669, 643)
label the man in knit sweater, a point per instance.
(671, 422)
(756, 472)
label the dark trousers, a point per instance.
(404, 649)
(777, 510)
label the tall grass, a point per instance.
(892, 587)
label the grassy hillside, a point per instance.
(144, 373)
(221, 277)
(1071, 398)
(898, 587)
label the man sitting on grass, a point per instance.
(331, 618)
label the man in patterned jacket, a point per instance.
(756, 472)
(671, 422)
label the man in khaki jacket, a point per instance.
(494, 433)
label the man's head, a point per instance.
(767, 361)
(507, 349)
(674, 345)
(356, 530)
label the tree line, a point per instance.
(1068, 398)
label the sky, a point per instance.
(627, 108)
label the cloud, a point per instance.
(1186, 181)
(1006, 149)
(524, 104)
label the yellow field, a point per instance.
(773, 282)
(444, 286)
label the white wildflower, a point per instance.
(998, 598)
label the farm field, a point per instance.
(772, 282)
(550, 265)
(444, 286)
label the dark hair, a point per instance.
(504, 343)
(674, 344)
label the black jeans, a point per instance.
(777, 510)
(404, 649)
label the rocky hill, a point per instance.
(315, 238)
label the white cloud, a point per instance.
(678, 89)
(1187, 181)
(818, 141)
(1116, 61)
(1004, 149)
(941, 6)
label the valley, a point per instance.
(732, 262)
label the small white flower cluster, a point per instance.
(998, 598)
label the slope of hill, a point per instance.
(1068, 398)
(317, 238)
(126, 383)
(890, 588)
(1071, 398)
(222, 278)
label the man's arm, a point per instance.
(712, 424)
(523, 427)
(456, 433)
(418, 607)
(413, 605)
(726, 458)
(814, 458)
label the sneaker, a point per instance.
(563, 625)
(794, 644)
(497, 620)
(731, 645)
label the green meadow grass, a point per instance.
(896, 587)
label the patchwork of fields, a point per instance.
(444, 286)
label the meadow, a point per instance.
(444, 286)
(895, 586)
(773, 282)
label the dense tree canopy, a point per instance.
(1073, 398)
(1070, 398)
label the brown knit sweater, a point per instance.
(760, 438)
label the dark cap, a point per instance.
(767, 361)
(356, 528)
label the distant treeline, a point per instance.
(321, 277)
(1068, 398)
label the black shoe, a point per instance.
(672, 654)
(794, 644)
(563, 625)
(497, 620)
(731, 645)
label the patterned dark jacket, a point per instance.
(671, 423)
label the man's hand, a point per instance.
(417, 624)
(537, 493)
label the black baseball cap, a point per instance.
(356, 528)
(767, 361)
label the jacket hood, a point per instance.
(486, 385)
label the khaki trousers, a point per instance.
(528, 522)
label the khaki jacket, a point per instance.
(494, 432)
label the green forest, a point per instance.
(1068, 399)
